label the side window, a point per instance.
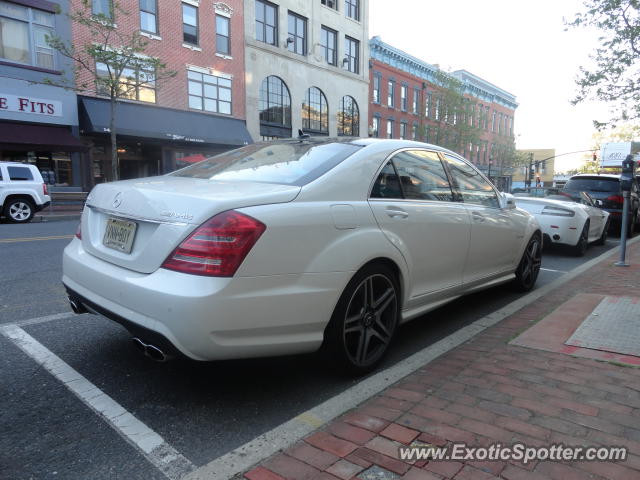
(387, 185)
(1, 179)
(472, 186)
(422, 176)
(19, 173)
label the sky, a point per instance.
(519, 46)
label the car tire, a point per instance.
(529, 266)
(580, 248)
(632, 227)
(605, 233)
(19, 210)
(364, 321)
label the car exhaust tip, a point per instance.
(77, 307)
(150, 351)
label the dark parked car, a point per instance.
(605, 189)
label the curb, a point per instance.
(234, 463)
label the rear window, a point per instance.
(288, 164)
(609, 185)
(20, 173)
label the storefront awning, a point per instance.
(148, 121)
(25, 137)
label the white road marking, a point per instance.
(551, 270)
(162, 455)
(47, 318)
(246, 456)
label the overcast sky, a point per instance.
(518, 46)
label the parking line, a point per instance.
(45, 319)
(154, 448)
(551, 270)
(262, 447)
(35, 239)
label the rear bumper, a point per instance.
(208, 318)
(43, 206)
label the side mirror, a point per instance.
(599, 203)
(508, 201)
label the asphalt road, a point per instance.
(202, 410)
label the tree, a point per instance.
(114, 61)
(614, 78)
(457, 127)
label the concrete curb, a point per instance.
(38, 218)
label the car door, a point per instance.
(413, 203)
(596, 216)
(495, 235)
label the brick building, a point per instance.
(38, 122)
(407, 101)
(179, 120)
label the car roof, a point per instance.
(596, 176)
(22, 164)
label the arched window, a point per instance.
(349, 117)
(275, 108)
(315, 112)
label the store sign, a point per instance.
(30, 105)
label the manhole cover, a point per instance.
(377, 473)
(614, 326)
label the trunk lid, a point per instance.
(163, 211)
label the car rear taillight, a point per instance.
(79, 231)
(217, 247)
(45, 190)
(615, 199)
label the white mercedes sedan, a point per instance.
(286, 247)
(573, 221)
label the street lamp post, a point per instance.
(489, 172)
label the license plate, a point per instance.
(119, 234)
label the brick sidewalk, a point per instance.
(488, 391)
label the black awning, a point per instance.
(148, 121)
(25, 137)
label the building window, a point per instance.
(414, 132)
(149, 16)
(403, 130)
(391, 94)
(352, 9)
(297, 40)
(330, 3)
(486, 117)
(223, 35)
(493, 121)
(375, 127)
(315, 111)
(275, 108)
(329, 44)
(134, 84)
(428, 105)
(102, 7)
(404, 92)
(209, 93)
(390, 123)
(352, 54)
(349, 117)
(377, 80)
(266, 22)
(416, 101)
(23, 34)
(437, 112)
(190, 24)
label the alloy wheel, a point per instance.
(530, 264)
(370, 319)
(20, 211)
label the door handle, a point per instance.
(396, 212)
(478, 217)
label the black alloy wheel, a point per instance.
(529, 266)
(365, 320)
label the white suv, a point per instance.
(22, 191)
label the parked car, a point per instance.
(281, 248)
(575, 222)
(605, 190)
(535, 191)
(22, 191)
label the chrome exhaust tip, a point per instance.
(150, 351)
(77, 307)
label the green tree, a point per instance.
(114, 62)
(614, 76)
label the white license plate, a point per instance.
(119, 234)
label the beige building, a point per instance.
(306, 67)
(543, 175)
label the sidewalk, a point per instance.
(514, 382)
(59, 213)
